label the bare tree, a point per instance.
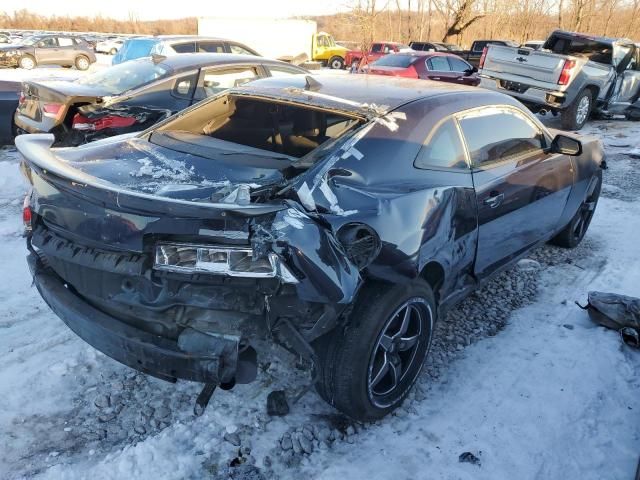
(459, 15)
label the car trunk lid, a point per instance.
(532, 64)
(48, 102)
(129, 190)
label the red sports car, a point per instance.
(444, 67)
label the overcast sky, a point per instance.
(154, 9)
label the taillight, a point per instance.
(80, 122)
(567, 69)
(482, 57)
(52, 109)
(26, 215)
(21, 98)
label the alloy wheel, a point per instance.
(394, 353)
(583, 110)
(82, 64)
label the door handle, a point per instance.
(494, 200)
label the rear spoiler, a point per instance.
(37, 154)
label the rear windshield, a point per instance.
(395, 61)
(581, 47)
(269, 128)
(125, 76)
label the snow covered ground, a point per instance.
(518, 376)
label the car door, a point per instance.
(627, 87)
(214, 80)
(521, 189)
(438, 68)
(47, 51)
(67, 48)
(461, 71)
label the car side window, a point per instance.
(189, 47)
(442, 149)
(184, 86)
(217, 80)
(495, 134)
(65, 42)
(438, 64)
(49, 42)
(281, 71)
(238, 50)
(376, 48)
(479, 46)
(211, 47)
(458, 65)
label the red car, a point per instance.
(444, 67)
(378, 50)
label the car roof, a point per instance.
(595, 38)
(186, 61)
(368, 95)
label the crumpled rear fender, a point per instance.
(313, 255)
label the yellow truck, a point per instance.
(291, 40)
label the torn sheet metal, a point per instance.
(317, 259)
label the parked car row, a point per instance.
(63, 50)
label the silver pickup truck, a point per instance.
(572, 74)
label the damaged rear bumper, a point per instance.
(195, 356)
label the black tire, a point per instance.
(349, 357)
(575, 116)
(82, 62)
(27, 62)
(573, 233)
(336, 63)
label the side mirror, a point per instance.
(566, 145)
(471, 71)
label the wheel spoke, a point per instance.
(382, 372)
(385, 342)
(395, 368)
(406, 319)
(407, 343)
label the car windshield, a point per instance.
(125, 76)
(394, 61)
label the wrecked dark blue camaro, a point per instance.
(337, 217)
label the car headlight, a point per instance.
(234, 262)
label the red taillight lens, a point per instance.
(567, 69)
(482, 57)
(26, 214)
(80, 122)
(52, 109)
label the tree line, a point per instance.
(455, 21)
(462, 21)
(27, 20)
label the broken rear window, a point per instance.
(581, 47)
(275, 129)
